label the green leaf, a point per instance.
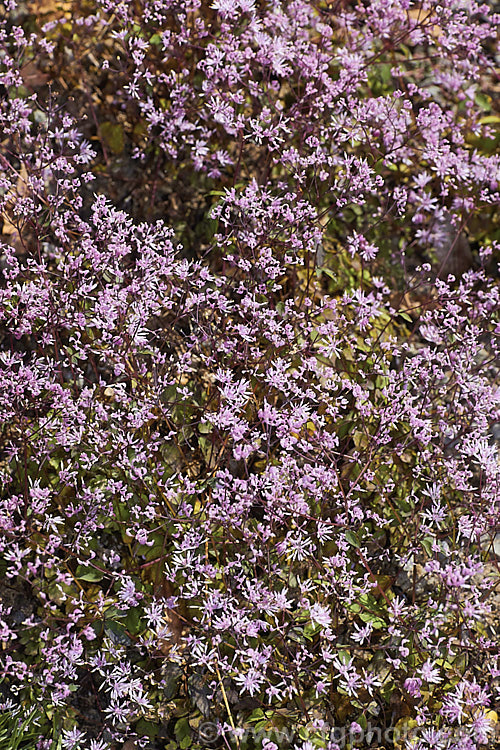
(183, 732)
(427, 545)
(352, 538)
(133, 620)
(330, 273)
(484, 101)
(116, 631)
(147, 728)
(377, 623)
(311, 630)
(83, 573)
(403, 505)
(361, 720)
(256, 715)
(112, 135)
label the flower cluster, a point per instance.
(248, 371)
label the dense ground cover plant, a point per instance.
(249, 340)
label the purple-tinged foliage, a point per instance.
(248, 372)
